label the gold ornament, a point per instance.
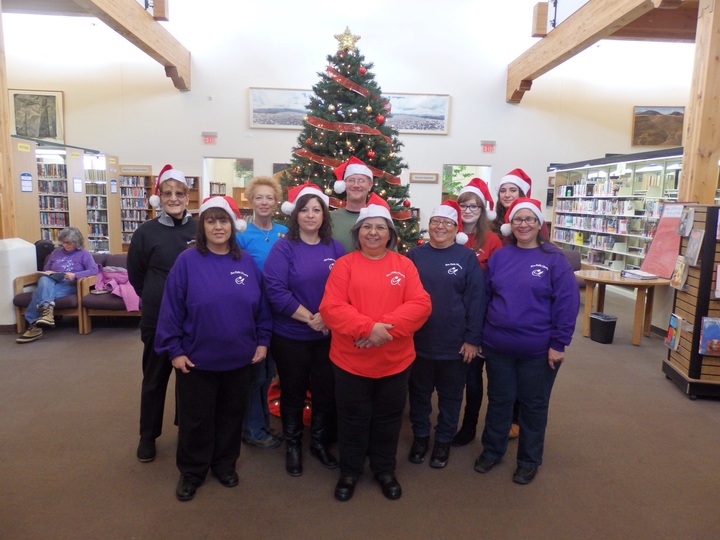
(331, 107)
(328, 191)
(368, 109)
(347, 40)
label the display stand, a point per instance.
(697, 374)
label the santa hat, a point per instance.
(308, 188)
(166, 173)
(451, 210)
(519, 178)
(519, 204)
(229, 205)
(481, 189)
(376, 207)
(350, 167)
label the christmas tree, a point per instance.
(347, 116)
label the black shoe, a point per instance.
(440, 455)
(228, 479)
(483, 464)
(146, 450)
(389, 485)
(418, 449)
(186, 488)
(524, 475)
(465, 436)
(345, 488)
(293, 459)
(322, 453)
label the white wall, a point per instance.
(118, 100)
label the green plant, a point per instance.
(454, 179)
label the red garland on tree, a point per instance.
(342, 122)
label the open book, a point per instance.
(55, 276)
(637, 274)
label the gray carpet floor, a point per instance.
(627, 455)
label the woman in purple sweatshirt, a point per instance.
(533, 301)
(214, 322)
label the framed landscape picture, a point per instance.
(658, 126)
(278, 108)
(419, 113)
(37, 114)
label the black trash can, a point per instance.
(602, 327)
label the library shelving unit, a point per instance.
(193, 193)
(101, 203)
(608, 208)
(136, 186)
(57, 171)
(695, 373)
(218, 188)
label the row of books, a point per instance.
(52, 170)
(614, 207)
(52, 186)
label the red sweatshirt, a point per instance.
(361, 292)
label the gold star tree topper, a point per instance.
(347, 40)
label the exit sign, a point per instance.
(488, 147)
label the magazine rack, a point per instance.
(697, 374)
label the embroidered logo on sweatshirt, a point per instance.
(331, 264)
(538, 270)
(240, 277)
(396, 278)
(453, 268)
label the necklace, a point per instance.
(266, 234)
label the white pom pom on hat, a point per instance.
(350, 167)
(480, 188)
(229, 205)
(451, 210)
(166, 173)
(308, 188)
(518, 204)
(519, 178)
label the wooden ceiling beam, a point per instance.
(595, 20)
(675, 25)
(127, 18)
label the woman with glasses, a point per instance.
(449, 339)
(533, 302)
(264, 194)
(153, 249)
(374, 302)
(295, 274)
(476, 205)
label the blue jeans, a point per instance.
(47, 291)
(530, 381)
(257, 417)
(448, 378)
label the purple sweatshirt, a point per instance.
(214, 310)
(78, 261)
(533, 301)
(295, 275)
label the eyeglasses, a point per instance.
(171, 194)
(358, 181)
(520, 220)
(446, 222)
(379, 228)
(471, 207)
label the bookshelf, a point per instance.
(136, 186)
(101, 203)
(193, 193)
(608, 208)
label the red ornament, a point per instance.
(362, 71)
(406, 203)
(371, 154)
(420, 242)
(308, 141)
(380, 119)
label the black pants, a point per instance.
(156, 374)
(211, 408)
(370, 415)
(303, 366)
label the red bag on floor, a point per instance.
(274, 402)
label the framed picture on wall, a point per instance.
(37, 114)
(658, 126)
(278, 108)
(419, 113)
